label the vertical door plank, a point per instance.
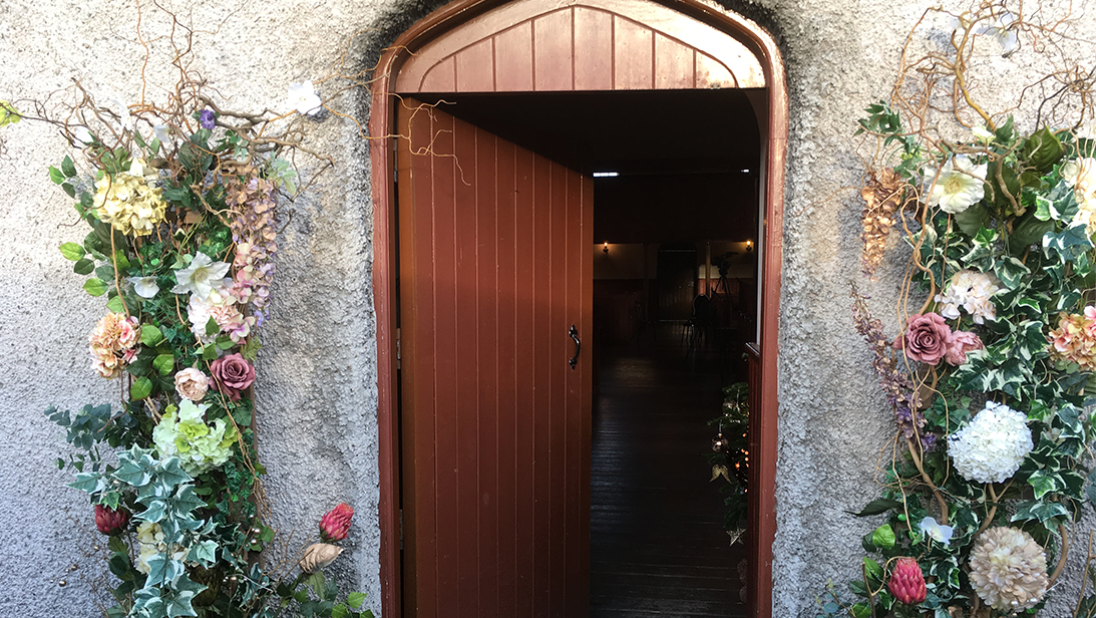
(416, 280)
(465, 396)
(553, 47)
(475, 67)
(562, 349)
(674, 64)
(710, 73)
(542, 386)
(633, 55)
(487, 285)
(442, 77)
(526, 297)
(593, 49)
(576, 248)
(586, 397)
(445, 179)
(514, 59)
(508, 407)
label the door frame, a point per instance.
(382, 154)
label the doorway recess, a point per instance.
(473, 47)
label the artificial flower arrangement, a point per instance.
(992, 374)
(182, 201)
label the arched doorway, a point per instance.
(579, 45)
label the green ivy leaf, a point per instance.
(55, 175)
(72, 251)
(115, 305)
(142, 388)
(340, 611)
(211, 327)
(150, 335)
(83, 266)
(164, 364)
(95, 287)
(355, 599)
(68, 167)
(883, 537)
(251, 349)
(875, 507)
(209, 352)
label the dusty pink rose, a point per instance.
(959, 344)
(191, 384)
(231, 375)
(926, 338)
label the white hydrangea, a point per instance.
(991, 447)
(972, 291)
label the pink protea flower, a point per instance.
(907, 584)
(111, 522)
(335, 525)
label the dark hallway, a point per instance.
(657, 542)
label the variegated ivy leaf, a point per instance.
(163, 570)
(1069, 244)
(155, 513)
(185, 501)
(204, 553)
(89, 482)
(1012, 272)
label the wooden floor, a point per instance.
(657, 545)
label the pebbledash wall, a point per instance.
(317, 393)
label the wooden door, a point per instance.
(495, 268)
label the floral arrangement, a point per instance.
(730, 456)
(183, 202)
(991, 373)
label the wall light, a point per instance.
(606, 248)
(749, 246)
(606, 174)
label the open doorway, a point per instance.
(675, 220)
(522, 549)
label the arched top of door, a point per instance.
(572, 45)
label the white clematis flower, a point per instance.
(959, 185)
(162, 132)
(941, 534)
(198, 278)
(303, 98)
(145, 287)
(999, 30)
(83, 136)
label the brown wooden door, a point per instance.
(495, 267)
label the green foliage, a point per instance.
(730, 463)
(8, 114)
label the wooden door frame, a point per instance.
(382, 159)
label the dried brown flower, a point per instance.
(882, 193)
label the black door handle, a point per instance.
(578, 346)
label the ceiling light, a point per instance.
(606, 174)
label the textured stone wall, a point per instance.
(317, 371)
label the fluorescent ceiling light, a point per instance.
(606, 174)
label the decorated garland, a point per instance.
(991, 375)
(184, 202)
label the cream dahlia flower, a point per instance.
(1008, 569)
(959, 185)
(990, 448)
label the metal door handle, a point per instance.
(578, 346)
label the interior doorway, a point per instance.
(569, 48)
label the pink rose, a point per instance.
(926, 338)
(232, 374)
(959, 344)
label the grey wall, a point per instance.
(317, 371)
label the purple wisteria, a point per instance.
(901, 394)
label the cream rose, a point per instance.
(191, 384)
